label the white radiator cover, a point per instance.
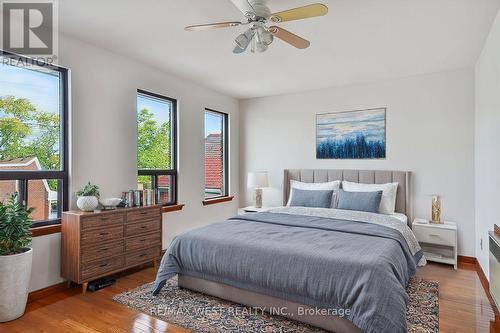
(495, 267)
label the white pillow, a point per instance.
(334, 186)
(389, 190)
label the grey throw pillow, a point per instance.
(361, 201)
(311, 198)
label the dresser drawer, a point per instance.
(143, 227)
(144, 214)
(102, 251)
(435, 235)
(142, 256)
(143, 242)
(102, 220)
(102, 235)
(101, 267)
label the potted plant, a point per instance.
(88, 197)
(15, 258)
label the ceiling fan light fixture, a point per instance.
(266, 37)
(263, 39)
(244, 39)
(261, 47)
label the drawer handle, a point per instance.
(105, 249)
(433, 235)
(142, 255)
(144, 213)
(104, 233)
(104, 218)
(143, 227)
(103, 265)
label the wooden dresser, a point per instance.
(97, 244)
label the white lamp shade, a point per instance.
(257, 180)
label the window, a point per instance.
(216, 154)
(157, 146)
(33, 136)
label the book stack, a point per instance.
(138, 198)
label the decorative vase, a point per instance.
(15, 275)
(436, 210)
(87, 203)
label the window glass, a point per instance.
(156, 146)
(215, 154)
(33, 121)
(154, 141)
(30, 117)
(43, 198)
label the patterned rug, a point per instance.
(202, 313)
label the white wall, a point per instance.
(430, 131)
(103, 147)
(487, 145)
(46, 269)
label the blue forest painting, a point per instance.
(351, 135)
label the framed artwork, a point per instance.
(351, 135)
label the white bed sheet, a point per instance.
(401, 217)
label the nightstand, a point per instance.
(438, 241)
(251, 209)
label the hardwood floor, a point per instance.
(463, 306)
(463, 303)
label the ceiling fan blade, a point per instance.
(299, 13)
(290, 38)
(212, 26)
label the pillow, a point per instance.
(332, 186)
(389, 190)
(311, 198)
(360, 201)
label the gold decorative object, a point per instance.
(436, 209)
(256, 181)
(258, 198)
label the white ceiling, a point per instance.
(358, 41)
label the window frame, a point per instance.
(173, 172)
(62, 175)
(225, 160)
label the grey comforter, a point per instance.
(322, 262)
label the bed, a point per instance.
(343, 271)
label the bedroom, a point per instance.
(428, 69)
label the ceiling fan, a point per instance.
(257, 16)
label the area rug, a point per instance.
(207, 314)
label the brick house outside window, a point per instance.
(213, 165)
(40, 196)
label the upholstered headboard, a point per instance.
(403, 178)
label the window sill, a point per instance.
(46, 230)
(172, 208)
(217, 200)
